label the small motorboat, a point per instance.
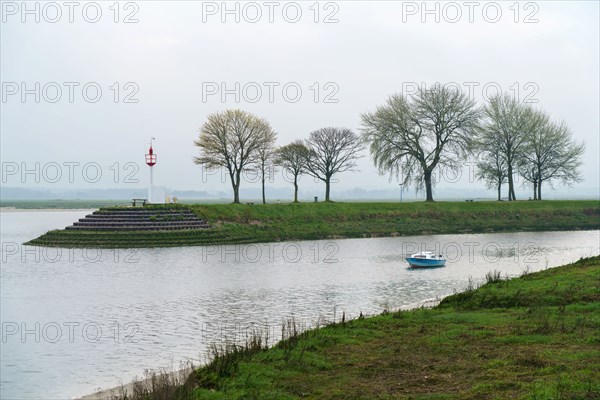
(425, 259)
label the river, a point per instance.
(74, 321)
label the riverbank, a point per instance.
(255, 223)
(533, 337)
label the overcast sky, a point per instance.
(170, 67)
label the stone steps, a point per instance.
(160, 217)
(140, 223)
(123, 214)
(137, 228)
(140, 219)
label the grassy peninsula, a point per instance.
(533, 337)
(244, 223)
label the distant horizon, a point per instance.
(285, 194)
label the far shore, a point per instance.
(14, 209)
(262, 223)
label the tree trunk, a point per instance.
(511, 189)
(428, 187)
(236, 188)
(295, 188)
(535, 186)
(263, 177)
(327, 186)
(499, 191)
(236, 195)
(539, 197)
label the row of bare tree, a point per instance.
(237, 140)
(408, 138)
(440, 127)
(519, 137)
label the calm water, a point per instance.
(74, 321)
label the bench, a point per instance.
(250, 204)
(469, 200)
(135, 201)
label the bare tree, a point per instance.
(413, 137)
(293, 158)
(492, 170)
(526, 161)
(491, 167)
(265, 163)
(507, 123)
(332, 151)
(550, 153)
(231, 140)
(530, 175)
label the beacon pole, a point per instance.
(151, 161)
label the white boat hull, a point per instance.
(425, 263)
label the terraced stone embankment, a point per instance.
(139, 219)
(127, 227)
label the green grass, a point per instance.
(241, 223)
(539, 339)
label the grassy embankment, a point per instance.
(533, 337)
(241, 223)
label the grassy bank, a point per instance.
(241, 223)
(534, 337)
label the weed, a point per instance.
(493, 277)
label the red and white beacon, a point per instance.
(151, 161)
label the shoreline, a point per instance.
(245, 224)
(477, 343)
(182, 374)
